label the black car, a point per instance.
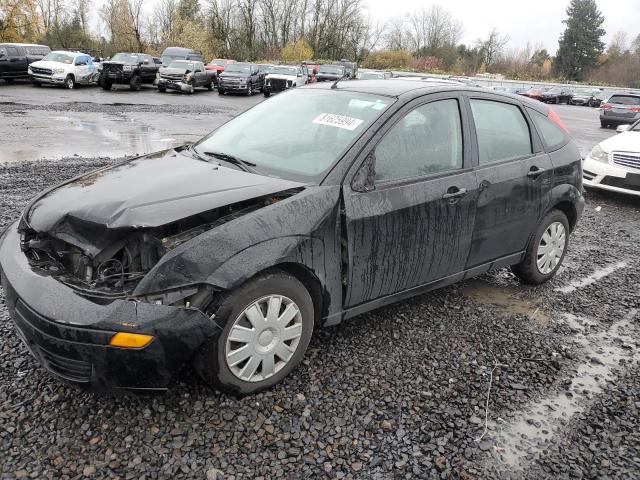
(587, 97)
(225, 254)
(557, 95)
(241, 77)
(15, 59)
(331, 73)
(133, 69)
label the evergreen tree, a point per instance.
(581, 43)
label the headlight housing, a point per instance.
(58, 70)
(599, 155)
(187, 77)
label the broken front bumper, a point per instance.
(69, 334)
(174, 85)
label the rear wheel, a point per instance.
(546, 250)
(135, 83)
(267, 324)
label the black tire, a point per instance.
(36, 84)
(266, 93)
(162, 89)
(249, 90)
(106, 85)
(136, 83)
(210, 86)
(8, 81)
(70, 83)
(210, 361)
(604, 124)
(527, 270)
(220, 91)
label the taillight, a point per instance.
(635, 109)
(553, 116)
(606, 106)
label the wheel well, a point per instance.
(312, 284)
(570, 211)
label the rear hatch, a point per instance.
(622, 106)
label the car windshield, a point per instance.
(302, 133)
(125, 58)
(554, 90)
(59, 58)
(584, 91)
(371, 76)
(182, 65)
(285, 70)
(265, 68)
(331, 69)
(167, 59)
(218, 62)
(238, 68)
(625, 100)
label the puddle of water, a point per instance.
(503, 296)
(38, 135)
(528, 435)
(594, 277)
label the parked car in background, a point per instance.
(620, 108)
(219, 64)
(600, 98)
(283, 77)
(185, 76)
(64, 68)
(350, 68)
(15, 59)
(179, 53)
(225, 255)
(241, 77)
(534, 93)
(132, 69)
(557, 95)
(331, 73)
(615, 163)
(312, 70)
(585, 97)
(265, 68)
(374, 75)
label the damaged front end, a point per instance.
(106, 264)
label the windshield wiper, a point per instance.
(245, 165)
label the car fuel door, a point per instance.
(409, 210)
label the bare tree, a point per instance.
(492, 46)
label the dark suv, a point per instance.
(315, 206)
(132, 69)
(241, 78)
(620, 109)
(15, 59)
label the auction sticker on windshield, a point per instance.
(339, 121)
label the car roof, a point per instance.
(411, 89)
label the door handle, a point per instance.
(454, 194)
(535, 172)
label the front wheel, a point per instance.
(210, 86)
(546, 250)
(220, 91)
(249, 90)
(70, 83)
(266, 327)
(136, 83)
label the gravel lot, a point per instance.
(397, 393)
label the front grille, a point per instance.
(620, 182)
(278, 83)
(174, 78)
(42, 71)
(627, 159)
(67, 368)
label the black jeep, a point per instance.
(131, 69)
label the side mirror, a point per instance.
(623, 128)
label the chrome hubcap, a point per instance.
(551, 248)
(263, 338)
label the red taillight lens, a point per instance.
(553, 116)
(635, 109)
(606, 106)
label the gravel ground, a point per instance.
(397, 393)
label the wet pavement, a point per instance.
(487, 379)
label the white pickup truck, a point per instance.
(64, 68)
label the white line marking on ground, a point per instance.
(594, 277)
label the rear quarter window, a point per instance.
(552, 135)
(625, 99)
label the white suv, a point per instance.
(64, 68)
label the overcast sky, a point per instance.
(535, 21)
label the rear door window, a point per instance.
(502, 131)
(552, 135)
(625, 99)
(12, 51)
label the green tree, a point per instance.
(581, 43)
(297, 52)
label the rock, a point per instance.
(214, 474)
(88, 470)
(356, 466)
(387, 426)
(441, 463)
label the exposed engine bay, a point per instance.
(109, 264)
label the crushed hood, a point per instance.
(148, 191)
